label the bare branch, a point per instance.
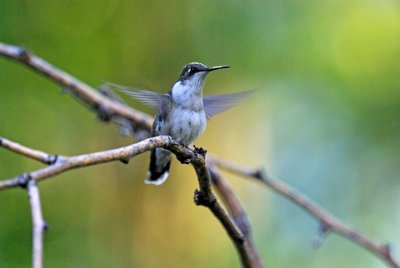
(39, 225)
(204, 196)
(64, 163)
(28, 152)
(238, 213)
(229, 198)
(104, 106)
(328, 221)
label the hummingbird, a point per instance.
(182, 113)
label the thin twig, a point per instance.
(28, 152)
(238, 213)
(64, 163)
(105, 107)
(39, 225)
(327, 220)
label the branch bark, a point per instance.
(328, 221)
(238, 214)
(26, 151)
(39, 225)
(105, 107)
(64, 163)
(204, 196)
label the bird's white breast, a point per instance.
(186, 119)
(186, 125)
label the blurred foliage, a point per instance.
(325, 119)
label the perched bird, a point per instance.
(182, 113)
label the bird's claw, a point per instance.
(199, 150)
(183, 160)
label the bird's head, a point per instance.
(194, 74)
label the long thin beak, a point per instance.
(217, 68)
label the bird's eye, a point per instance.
(192, 70)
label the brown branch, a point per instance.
(229, 198)
(39, 225)
(64, 163)
(328, 221)
(28, 152)
(203, 196)
(238, 213)
(104, 106)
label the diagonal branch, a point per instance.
(328, 222)
(39, 225)
(65, 163)
(205, 197)
(238, 213)
(104, 106)
(230, 199)
(26, 151)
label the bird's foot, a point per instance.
(183, 160)
(180, 146)
(199, 150)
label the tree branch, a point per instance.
(28, 152)
(39, 225)
(238, 213)
(204, 196)
(328, 222)
(105, 107)
(64, 163)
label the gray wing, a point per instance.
(214, 105)
(146, 97)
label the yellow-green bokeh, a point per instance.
(325, 119)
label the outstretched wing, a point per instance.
(214, 105)
(147, 97)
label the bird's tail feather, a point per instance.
(160, 162)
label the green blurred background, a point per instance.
(325, 119)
